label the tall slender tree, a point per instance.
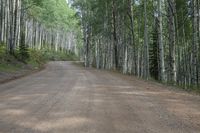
(172, 40)
(146, 43)
(160, 40)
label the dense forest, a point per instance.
(157, 39)
(152, 39)
(99, 66)
(38, 24)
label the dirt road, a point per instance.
(65, 98)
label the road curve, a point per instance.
(66, 98)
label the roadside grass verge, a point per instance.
(36, 60)
(8, 63)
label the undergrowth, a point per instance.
(34, 60)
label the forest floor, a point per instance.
(67, 98)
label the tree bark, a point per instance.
(194, 44)
(172, 40)
(160, 40)
(146, 43)
(115, 55)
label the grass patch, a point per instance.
(8, 63)
(9, 67)
(13, 63)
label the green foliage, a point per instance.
(39, 57)
(183, 18)
(51, 55)
(5, 57)
(54, 14)
(23, 54)
(8, 63)
(2, 51)
(36, 58)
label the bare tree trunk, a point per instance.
(1, 20)
(131, 17)
(115, 57)
(146, 43)
(11, 32)
(198, 23)
(23, 27)
(172, 40)
(160, 40)
(15, 23)
(195, 43)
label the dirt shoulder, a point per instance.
(7, 76)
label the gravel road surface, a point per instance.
(67, 98)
